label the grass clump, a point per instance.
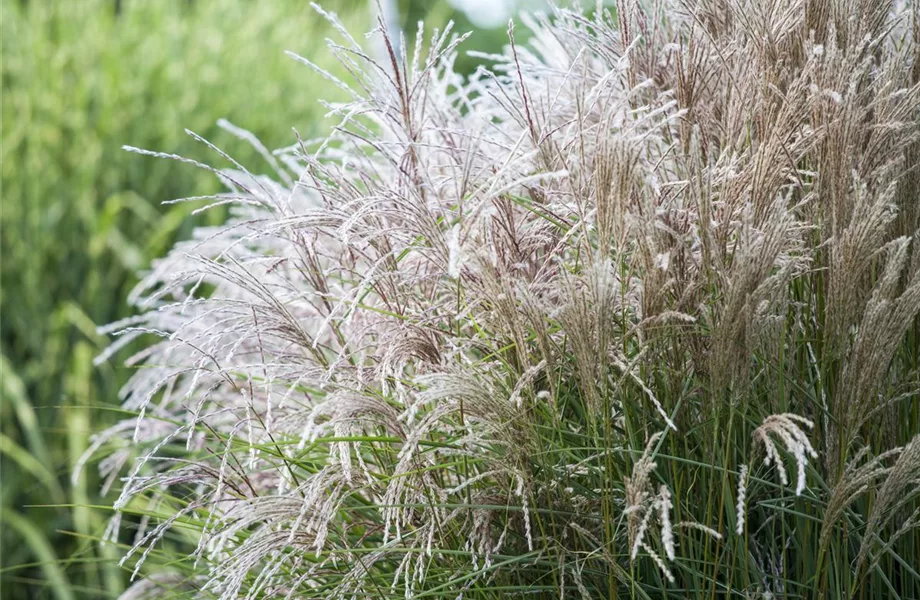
(631, 314)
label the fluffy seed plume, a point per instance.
(787, 428)
(740, 506)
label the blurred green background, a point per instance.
(80, 217)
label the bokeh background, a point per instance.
(80, 217)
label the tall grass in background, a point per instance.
(80, 216)
(632, 315)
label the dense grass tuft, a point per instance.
(633, 313)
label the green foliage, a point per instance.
(80, 217)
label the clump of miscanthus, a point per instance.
(558, 329)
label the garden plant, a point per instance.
(630, 312)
